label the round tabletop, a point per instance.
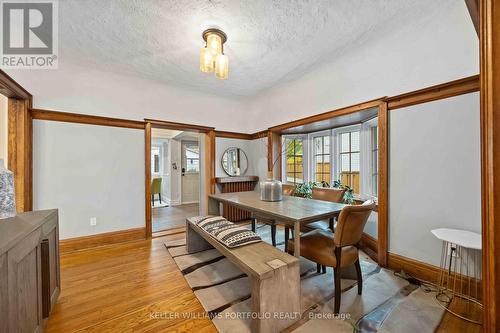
(464, 238)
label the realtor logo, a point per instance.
(29, 34)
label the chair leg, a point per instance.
(273, 234)
(338, 292)
(360, 276)
(254, 220)
(323, 269)
(153, 199)
(160, 197)
(287, 237)
(330, 224)
(318, 268)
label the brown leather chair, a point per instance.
(325, 194)
(339, 249)
(288, 189)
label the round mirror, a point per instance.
(234, 162)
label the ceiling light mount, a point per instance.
(215, 31)
(212, 57)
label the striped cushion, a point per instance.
(226, 232)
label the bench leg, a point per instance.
(194, 242)
(276, 296)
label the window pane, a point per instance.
(326, 145)
(298, 147)
(375, 162)
(193, 165)
(299, 177)
(375, 184)
(318, 145)
(344, 142)
(374, 132)
(355, 141)
(326, 164)
(157, 163)
(344, 162)
(355, 162)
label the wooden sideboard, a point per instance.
(236, 184)
(29, 270)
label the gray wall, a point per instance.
(89, 171)
(434, 173)
(256, 151)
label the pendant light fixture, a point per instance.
(212, 57)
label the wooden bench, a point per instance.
(274, 276)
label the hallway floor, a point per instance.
(165, 218)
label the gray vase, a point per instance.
(7, 195)
(271, 189)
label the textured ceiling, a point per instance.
(269, 42)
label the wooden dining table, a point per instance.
(292, 212)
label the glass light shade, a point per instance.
(206, 61)
(214, 44)
(221, 67)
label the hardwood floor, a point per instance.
(165, 218)
(121, 288)
(135, 287)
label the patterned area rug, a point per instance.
(388, 303)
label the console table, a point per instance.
(29, 270)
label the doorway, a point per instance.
(175, 178)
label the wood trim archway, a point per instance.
(274, 148)
(209, 162)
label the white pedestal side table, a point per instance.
(459, 278)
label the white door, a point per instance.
(190, 172)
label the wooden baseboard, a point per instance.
(85, 242)
(415, 268)
(369, 245)
(428, 272)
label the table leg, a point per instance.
(287, 237)
(296, 240)
(213, 207)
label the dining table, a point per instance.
(292, 212)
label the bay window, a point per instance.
(347, 154)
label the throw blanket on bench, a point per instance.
(226, 232)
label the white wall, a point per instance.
(89, 171)
(3, 128)
(82, 89)
(434, 174)
(438, 49)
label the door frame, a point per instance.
(19, 142)
(208, 162)
(489, 33)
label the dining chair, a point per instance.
(155, 189)
(325, 194)
(288, 189)
(339, 249)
